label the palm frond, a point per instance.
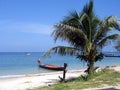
(91, 22)
(105, 26)
(62, 50)
(72, 19)
(75, 20)
(86, 22)
(88, 9)
(104, 41)
(74, 36)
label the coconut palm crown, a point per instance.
(86, 34)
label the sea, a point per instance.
(15, 64)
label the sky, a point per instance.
(26, 25)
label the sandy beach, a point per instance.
(45, 79)
(35, 80)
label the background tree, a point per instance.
(85, 33)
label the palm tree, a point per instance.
(86, 34)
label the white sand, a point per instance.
(116, 68)
(36, 80)
(32, 80)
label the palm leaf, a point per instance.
(72, 19)
(104, 40)
(105, 26)
(75, 20)
(62, 50)
(73, 35)
(88, 9)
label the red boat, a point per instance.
(50, 66)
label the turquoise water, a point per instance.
(20, 63)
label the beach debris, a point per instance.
(114, 66)
(49, 85)
(98, 69)
(107, 67)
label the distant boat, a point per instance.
(28, 54)
(111, 55)
(50, 66)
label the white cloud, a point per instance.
(28, 27)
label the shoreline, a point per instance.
(46, 73)
(35, 74)
(30, 81)
(35, 80)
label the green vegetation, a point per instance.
(86, 34)
(27, 82)
(104, 77)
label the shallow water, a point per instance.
(21, 63)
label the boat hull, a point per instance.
(112, 56)
(51, 67)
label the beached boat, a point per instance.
(50, 66)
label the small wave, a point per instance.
(11, 76)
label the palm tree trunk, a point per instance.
(91, 58)
(91, 67)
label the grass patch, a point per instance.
(28, 82)
(104, 77)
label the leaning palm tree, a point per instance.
(86, 34)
